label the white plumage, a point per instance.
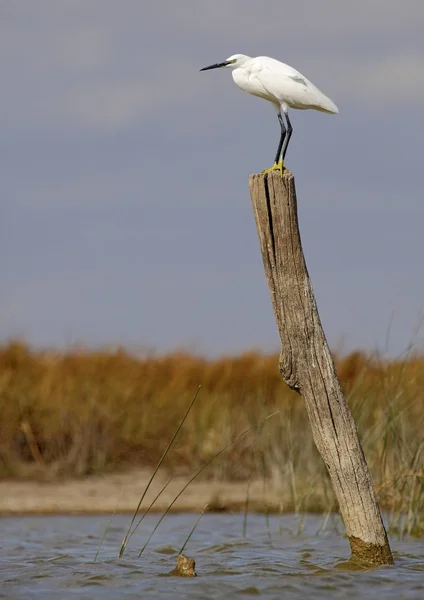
(281, 85)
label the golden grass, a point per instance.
(82, 412)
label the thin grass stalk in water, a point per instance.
(200, 471)
(108, 526)
(125, 540)
(149, 507)
(268, 526)
(246, 508)
(280, 520)
(323, 525)
(104, 534)
(193, 529)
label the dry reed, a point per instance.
(81, 412)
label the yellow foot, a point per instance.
(275, 167)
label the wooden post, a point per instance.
(307, 366)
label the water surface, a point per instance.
(53, 558)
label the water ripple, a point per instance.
(52, 557)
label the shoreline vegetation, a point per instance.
(99, 420)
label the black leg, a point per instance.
(288, 136)
(283, 135)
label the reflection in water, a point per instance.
(53, 557)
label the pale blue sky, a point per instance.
(126, 213)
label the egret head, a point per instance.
(234, 62)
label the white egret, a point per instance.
(281, 85)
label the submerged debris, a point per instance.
(185, 567)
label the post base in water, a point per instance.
(367, 552)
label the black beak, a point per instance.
(216, 66)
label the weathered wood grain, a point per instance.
(307, 366)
